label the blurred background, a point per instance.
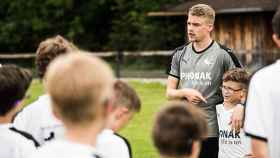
(136, 37)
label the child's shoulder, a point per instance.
(219, 106)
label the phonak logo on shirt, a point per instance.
(197, 78)
(229, 137)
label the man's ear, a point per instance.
(276, 40)
(210, 27)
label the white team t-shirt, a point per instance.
(231, 144)
(65, 149)
(111, 145)
(262, 119)
(39, 120)
(13, 144)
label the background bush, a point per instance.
(96, 25)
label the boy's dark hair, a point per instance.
(126, 96)
(14, 82)
(276, 23)
(176, 127)
(48, 50)
(237, 75)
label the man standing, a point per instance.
(196, 73)
(262, 122)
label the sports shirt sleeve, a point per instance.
(114, 150)
(20, 120)
(27, 149)
(27, 120)
(174, 67)
(255, 112)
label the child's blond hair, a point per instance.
(79, 86)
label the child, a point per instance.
(178, 131)
(234, 90)
(14, 82)
(37, 118)
(127, 102)
(79, 87)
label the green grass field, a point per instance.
(138, 132)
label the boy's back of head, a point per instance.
(177, 127)
(14, 82)
(79, 86)
(126, 96)
(48, 50)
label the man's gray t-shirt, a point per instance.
(204, 71)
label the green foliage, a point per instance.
(133, 30)
(93, 24)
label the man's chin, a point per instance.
(192, 40)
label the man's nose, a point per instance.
(190, 27)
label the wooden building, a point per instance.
(243, 25)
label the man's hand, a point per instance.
(237, 118)
(193, 96)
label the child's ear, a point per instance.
(196, 147)
(121, 111)
(243, 95)
(56, 113)
(109, 108)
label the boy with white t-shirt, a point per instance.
(80, 88)
(14, 83)
(37, 118)
(232, 144)
(126, 104)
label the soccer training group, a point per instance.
(216, 108)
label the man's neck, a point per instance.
(203, 44)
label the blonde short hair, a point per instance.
(79, 85)
(126, 96)
(203, 10)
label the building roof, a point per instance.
(220, 6)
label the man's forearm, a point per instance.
(174, 94)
